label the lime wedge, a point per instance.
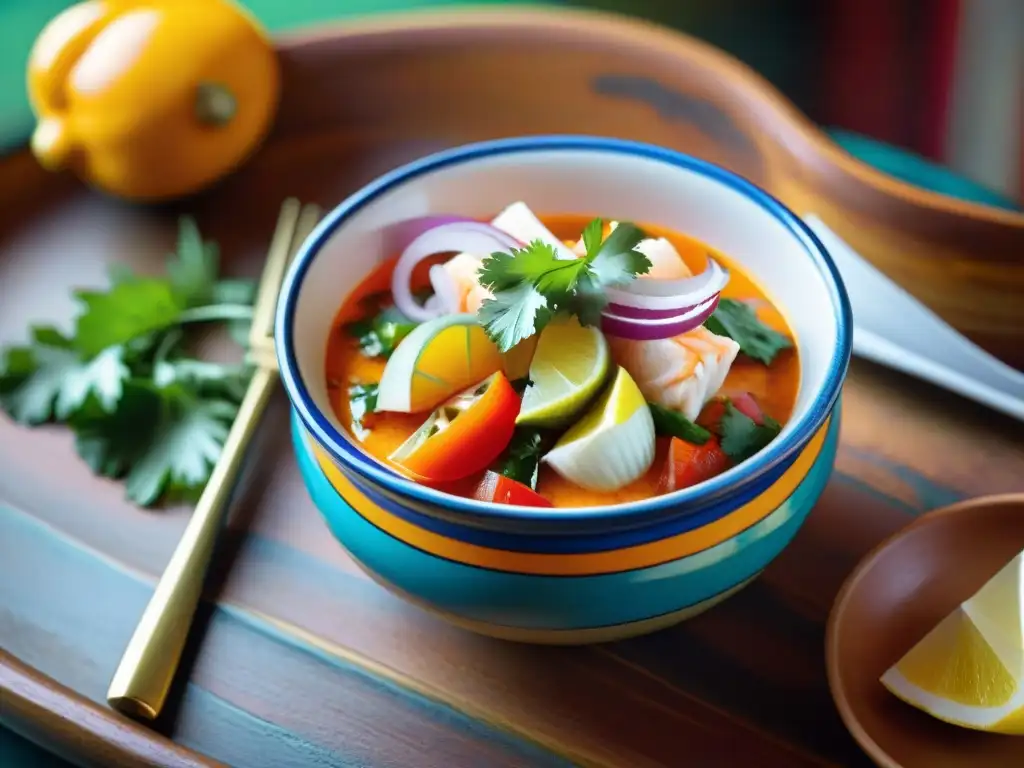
(612, 445)
(435, 361)
(568, 368)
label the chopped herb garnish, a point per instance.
(362, 400)
(739, 321)
(675, 424)
(531, 285)
(379, 334)
(742, 437)
(140, 408)
(521, 458)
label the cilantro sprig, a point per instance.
(739, 321)
(521, 459)
(742, 437)
(380, 333)
(141, 407)
(531, 285)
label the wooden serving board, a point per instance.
(297, 659)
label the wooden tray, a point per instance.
(298, 659)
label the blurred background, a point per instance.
(929, 90)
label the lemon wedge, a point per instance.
(435, 361)
(969, 670)
(612, 445)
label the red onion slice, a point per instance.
(624, 303)
(397, 236)
(664, 328)
(647, 293)
(452, 237)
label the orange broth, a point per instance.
(775, 386)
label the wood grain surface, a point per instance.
(297, 658)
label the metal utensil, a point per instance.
(140, 684)
(894, 329)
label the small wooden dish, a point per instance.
(902, 589)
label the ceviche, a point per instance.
(559, 360)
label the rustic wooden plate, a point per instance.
(895, 596)
(297, 658)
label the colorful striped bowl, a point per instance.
(568, 575)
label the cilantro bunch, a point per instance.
(531, 285)
(141, 407)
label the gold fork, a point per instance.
(143, 677)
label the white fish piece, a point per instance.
(456, 283)
(522, 223)
(457, 286)
(666, 263)
(682, 372)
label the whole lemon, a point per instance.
(151, 99)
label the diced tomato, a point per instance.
(464, 435)
(499, 489)
(711, 417)
(688, 464)
(747, 405)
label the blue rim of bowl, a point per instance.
(353, 458)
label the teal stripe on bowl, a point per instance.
(565, 602)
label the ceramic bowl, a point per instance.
(568, 575)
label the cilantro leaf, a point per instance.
(513, 315)
(124, 312)
(192, 269)
(739, 321)
(103, 377)
(137, 409)
(592, 236)
(530, 285)
(120, 273)
(616, 261)
(537, 263)
(521, 458)
(675, 424)
(236, 291)
(204, 377)
(111, 442)
(380, 334)
(48, 379)
(186, 443)
(362, 400)
(742, 437)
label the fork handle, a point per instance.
(140, 684)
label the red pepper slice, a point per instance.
(499, 489)
(464, 435)
(688, 464)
